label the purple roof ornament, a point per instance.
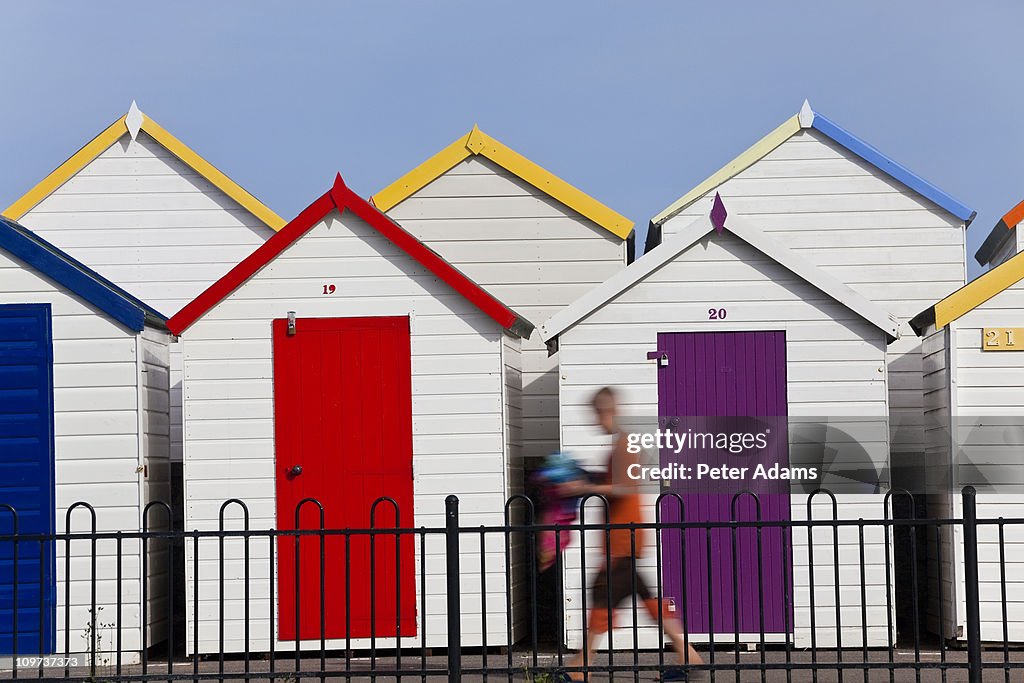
(718, 213)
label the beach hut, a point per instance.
(340, 318)
(974, 402)
(147, 212)
(523, 234)
(1003, 242)
(863, 218)
(83, 397)
(725, 320)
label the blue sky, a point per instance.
(634, 102)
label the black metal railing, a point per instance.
(475, 611)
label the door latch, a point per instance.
(659, 356)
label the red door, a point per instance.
(343, 435)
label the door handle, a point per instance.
(295, 470)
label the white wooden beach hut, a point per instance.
(861, 217)
(1004, 241)
(83, 397)
(344, 308)
(723, 319)
(524, 235)
(974, 402)
(147, 212)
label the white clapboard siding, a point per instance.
(139, 216)
(110, 419)
(142, 218)
(867, 230)
(155, 400)
(533, 253)
(466, 383)
(610, 346)
(964, 386)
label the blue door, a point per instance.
(27, 580)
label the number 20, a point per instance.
(717, 313)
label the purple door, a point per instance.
(727, 382)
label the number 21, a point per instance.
(992, 337)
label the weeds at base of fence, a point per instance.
(543, 677)
(98, 657)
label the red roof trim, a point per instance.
(341, 197)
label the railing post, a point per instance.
(451, 533)
(971, 595)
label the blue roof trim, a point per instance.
(874, 157)
(26, 246)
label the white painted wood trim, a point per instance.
(959, 612)
(133, 120)
(806, 115)
(842, 293)
(140, 432)
(506, 446)
(624, 279)
(683, 240)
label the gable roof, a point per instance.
(1000, 233)
(808, 118)
(130, 124)
(340, 197)
(970, 296)
(687, 237)
(77, 278)
(476, 142)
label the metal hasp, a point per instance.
(659, 356)
(291, 323)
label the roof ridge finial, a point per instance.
(475, 140)
(133, 120)
(806, 115)
(338, 191)
(718, 213)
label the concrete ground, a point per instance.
(725, 671)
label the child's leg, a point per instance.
(597, 626)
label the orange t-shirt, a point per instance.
(624, 503)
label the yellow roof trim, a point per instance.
(755, 153)
(63, 173)
(979, 290)
(419, 177)
(213, 174)
(112, 134)
(478, 142)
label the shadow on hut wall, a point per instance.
(549, 603)
(912, 546)
(178, 553)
